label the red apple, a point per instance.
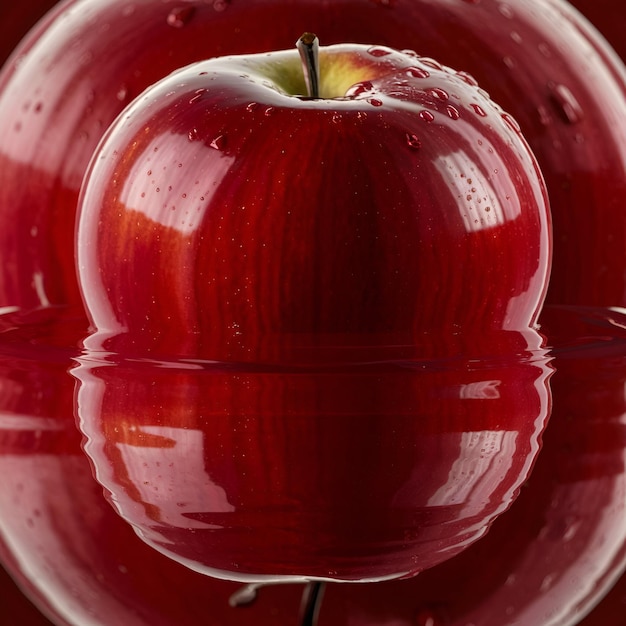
(67, 84)
(343, 473)
(16, 19)
(228, 217)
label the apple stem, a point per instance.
(308, 47)
(311, 601)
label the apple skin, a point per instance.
(65, 86)
(16, 19)
(341, 473)
(226, 218)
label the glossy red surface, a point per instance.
(222, 219)
(68, 85)
(547, 560)
(61, 540)
(349, 473)
(557, 550)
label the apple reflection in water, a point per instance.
(562, 545)
(367, 472)
(59, 539)
(547, 560)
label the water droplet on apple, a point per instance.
(506, 11)
(439, 94)
(193, 134)
(378, 51)
(221, 5)
(252, 106)
(269, 111)
(198, 94)
(565, 103)
(180, 16)
(512, 122)
(509, 62)
(413, 141)
(516, 37)
(359, 88)
(432, 63)
(467, 78)
(544, 48)
(418, 72)
(361, 115)
(122, 93)
(219, 143)
(427, 116)
(452, 112)
(479, 110)
(375, 102)
(545, 119)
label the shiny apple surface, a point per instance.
(59, 538)
(343, 473)
(67, 85)
(228, 217)
(548, 559)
